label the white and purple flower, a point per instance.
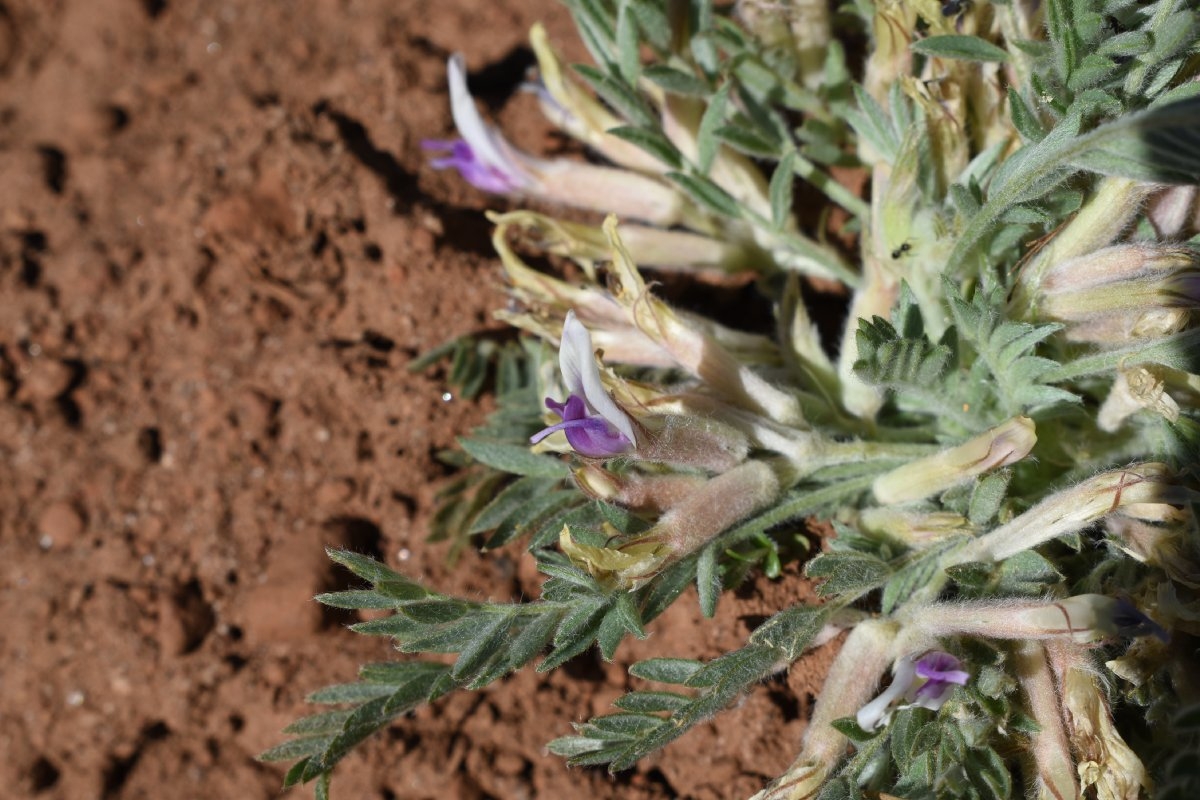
(482, 156)
(594, 424)
(486, 160)
(924, 683)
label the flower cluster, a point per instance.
(1017, 368)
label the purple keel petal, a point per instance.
(590, 436)
(476, 172)
(574, 408)
(933, 694)
(595, 438)
(1132, 622)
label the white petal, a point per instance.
(471, 127)
(873, 713)
(574, 351)
(581, 375)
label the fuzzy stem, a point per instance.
(862, 661)
(1051, 751)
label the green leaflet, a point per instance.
(967, 48)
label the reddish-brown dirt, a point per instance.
(220, 247)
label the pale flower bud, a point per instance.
(1168, 544)
(913, 528)
(1103, 218)
(1081, 619)
(693, 442)
(999, 447)
(1125, 291)
(1075, 508)
(672, 250)
(1172, 211)
(1121, 265)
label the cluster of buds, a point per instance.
(710, 424)
(1049, 648)
(1122, 292)
(677, 232)
(692, 510)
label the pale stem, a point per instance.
(864, 658)
(852, 682)
(1051, 750)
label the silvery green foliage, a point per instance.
(1005, 444)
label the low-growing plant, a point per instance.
(1003, 440)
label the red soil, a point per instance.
(220, 246)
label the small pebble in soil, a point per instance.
(75, 698)
(59, 522)
(45, 542)
(404, 554)
(447, 397)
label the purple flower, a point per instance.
(941, 673)
(474, 170)
(1132, 622)
(594, 424)
(481, 156)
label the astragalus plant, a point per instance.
(1003, 440)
